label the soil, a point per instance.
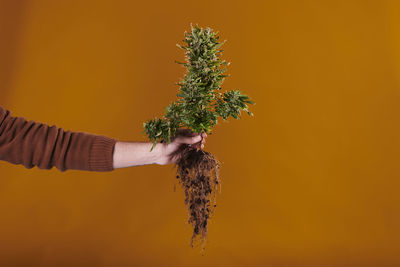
(198, 173)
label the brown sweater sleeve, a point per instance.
(33, 143)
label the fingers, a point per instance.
(188, 140)
(203, 140)
(185, 132)
(186, 136)
(182, 132)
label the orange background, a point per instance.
(311, 180)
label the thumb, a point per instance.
(188, 140)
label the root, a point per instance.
(198, 173)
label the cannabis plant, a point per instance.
(199, 105)
(200, 102)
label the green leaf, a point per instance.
(181, 47)
(152, 147)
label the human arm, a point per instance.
(31, 143)
(128, 154)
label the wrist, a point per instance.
(158, 151)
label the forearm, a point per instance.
(31, 143)
(128, 154)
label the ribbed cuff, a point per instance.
(101, 154)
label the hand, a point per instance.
(171, 152)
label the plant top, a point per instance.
(200, 102)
